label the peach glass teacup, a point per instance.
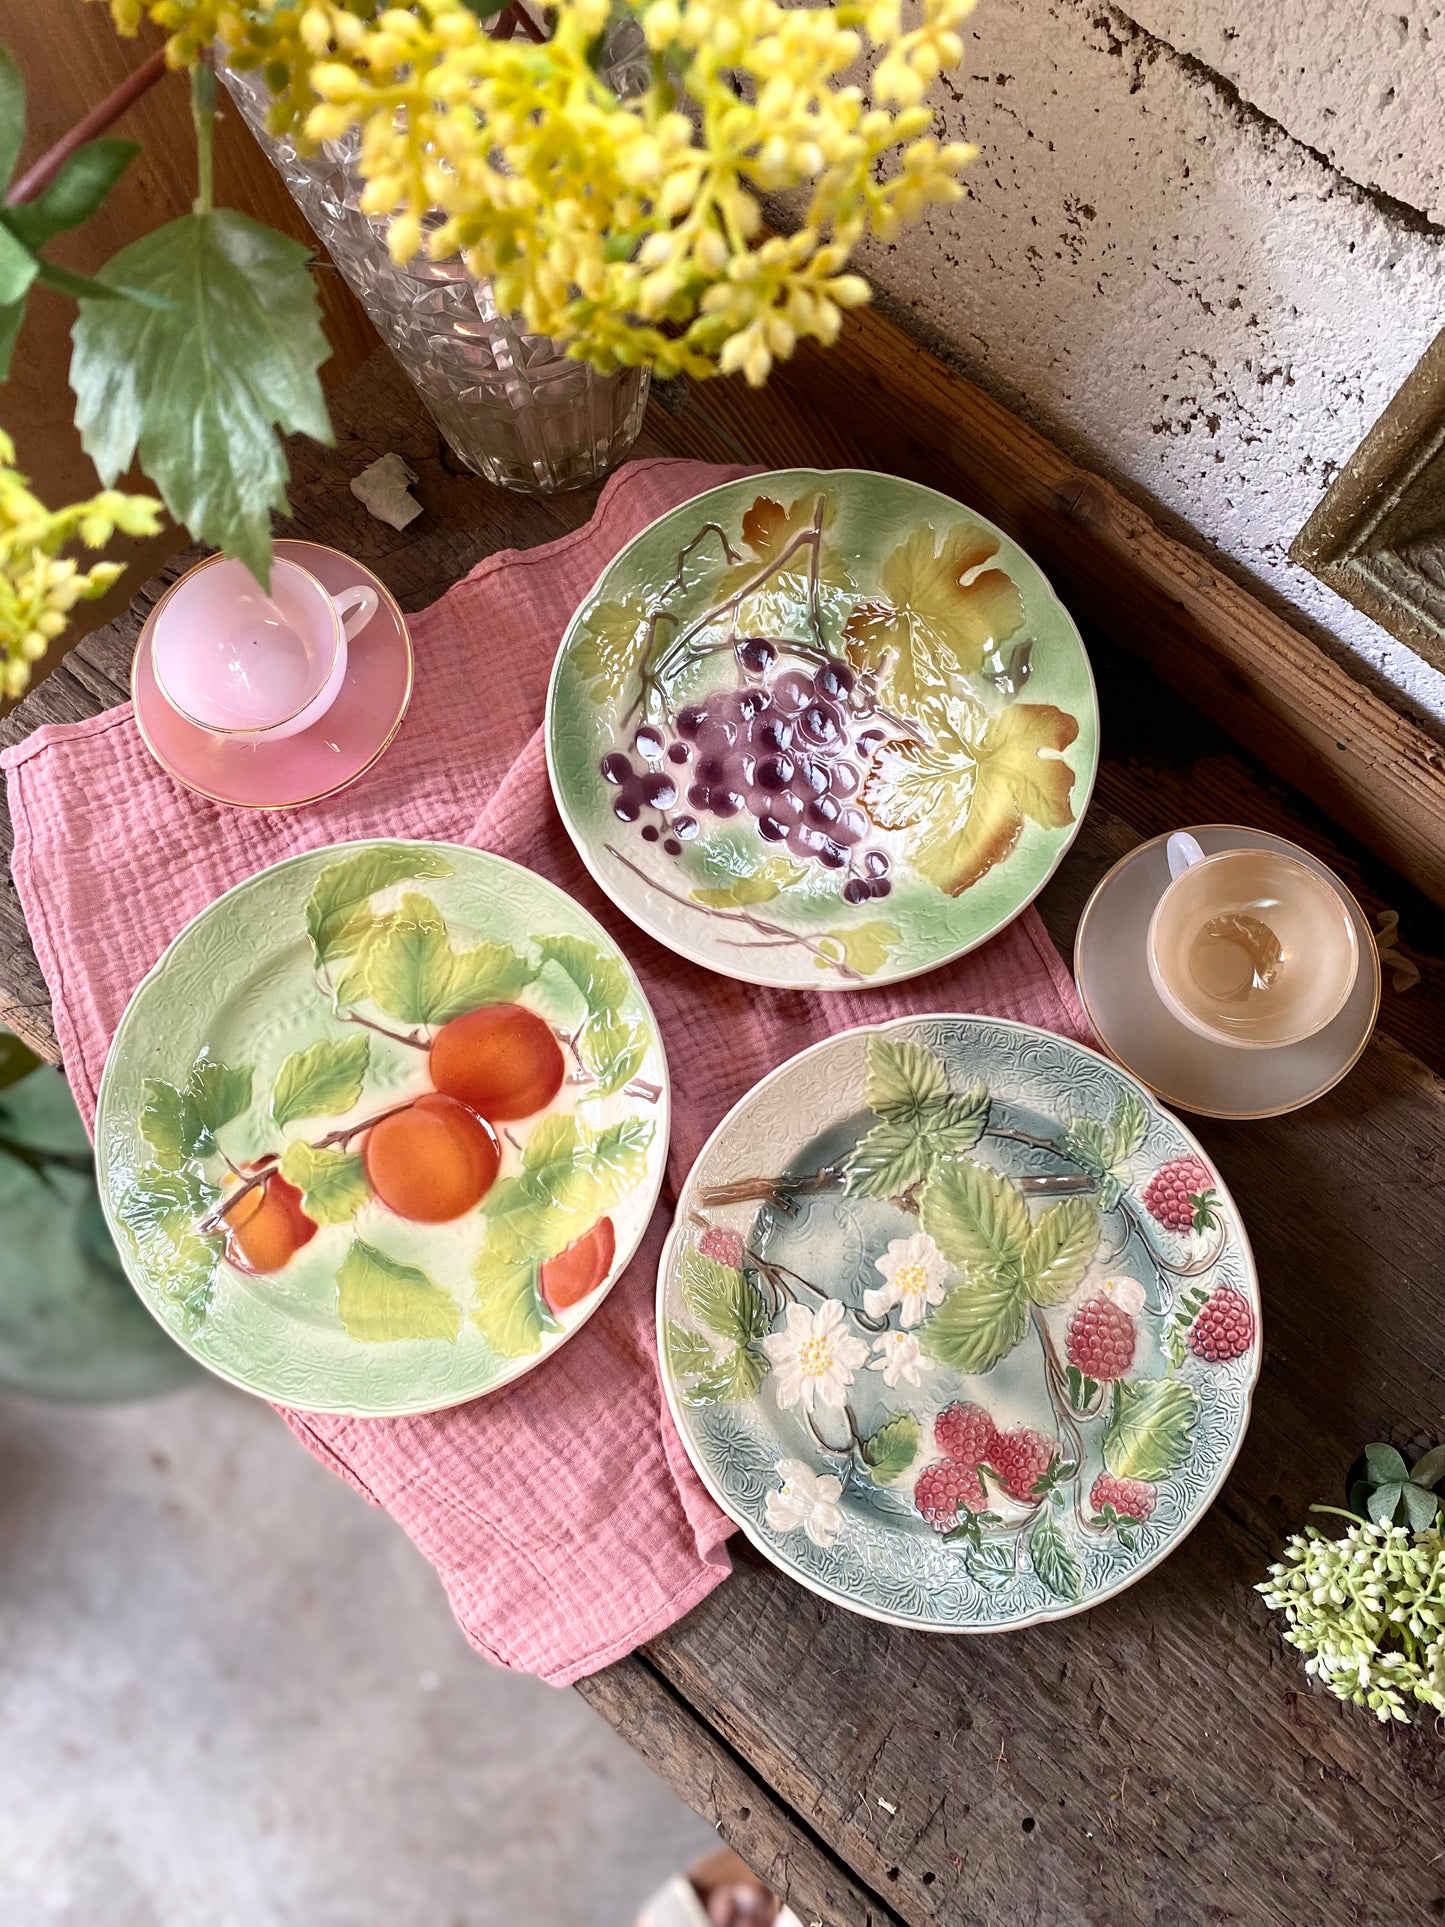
(1250, 947)
(237, 661)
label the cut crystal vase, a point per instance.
(512, 405)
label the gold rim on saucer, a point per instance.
(1369, 963)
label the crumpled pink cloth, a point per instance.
(562, 1514)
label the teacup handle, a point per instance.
(356, 606)
(1183, 851)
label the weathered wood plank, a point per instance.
(648, 1714)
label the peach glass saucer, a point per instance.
(1183, 1068)
(297, 769)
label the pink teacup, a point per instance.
(237, 661)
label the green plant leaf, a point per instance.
(1384, 1465)
(158, 1199)
(1064, 1238)
(1054, 1561)
(1090, 1144)
(17, 1060)
(608, 644)
(886, 1161)
(321, 1081)
(164, 1122)
(1127, 1127)
(179, 1124)
(12, 115)
(73, 195)
(771, 877)
(736, 1377)
(512, 1317)
(199, 388)
(18, 268)
(975, 1216)
(865, 948)
(613, 1050)
(1421, 1506)
(600, 980)
(902, 1079)
(379, 1300)
(979, 1322)
(889, 1451)
(332, 1184)
(12, 317)
(1151, 1427)
(1430, 1469)
(688, 1352)
(406, 966)
(725, 1300)
(1383, 1501)
(338, 911)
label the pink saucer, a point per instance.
(319, 761)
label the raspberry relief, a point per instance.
(1181, 1196)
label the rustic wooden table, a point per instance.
(1163, 1758)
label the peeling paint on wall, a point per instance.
(1173, 286)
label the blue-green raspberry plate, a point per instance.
(822, 728)
(382, 1126)
(958, 1323)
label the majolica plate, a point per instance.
(958, 1324)
(381, 1127)
(822, 728)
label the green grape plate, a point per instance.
(958, 1323)
(382, 1127)
(822, 729)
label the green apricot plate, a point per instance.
(381, 1128)
(822, 728)
(958, 1323)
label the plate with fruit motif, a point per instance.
(822, 728)
(958, 1324)
(382, 1126)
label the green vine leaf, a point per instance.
(725, 1300)
(865, 948)
(333, 1184)
(181, 1123)
(979, 1322)
(406, 966)
(608, 644)
(1054, 1560)
(321, 1081)
(889, 1451)
(1150, 1432)
(733, 1380)
(380, 1300)
(688, 1352)
(199, 387)
(338, 911)
(771, 877)
(1064, 1239)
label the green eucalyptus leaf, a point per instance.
(1430, 1469)
(1384, 1465)
(321, 1081)
(890, 1450)
(380, 1300)
(12, 115)
(1384, 1501)
(1054, 1560)
(338, 911)
(1150, 1432)
(199, 388)
(74, 194)
(1421, 1506)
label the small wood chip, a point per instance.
(887, 1805)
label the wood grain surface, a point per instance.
(1161, 1761)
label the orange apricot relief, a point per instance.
(502, 1061)
(267, 1227)
(580, 1269)
(432, 1161)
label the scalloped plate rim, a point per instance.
(404, 1409)
(825, 982)
(769, 1551)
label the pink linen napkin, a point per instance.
(562, 1514)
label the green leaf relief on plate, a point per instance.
(688, 1351)
(1063, 1241)
(922, 1121)
(333, 1184)
(182, 1123)
(600, 981)
(199, 387)
(612, 1050)
(773, 875)
(160, 1208)
(722, 1298)
(380, 1300)
(975, 1216)
(890, 1450)
(735, 1378)
(338, 911)
(1054, 1560)
(1151, 1428)
(321, 1081)
(405, 965)
(865, 948)
(608, 646)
